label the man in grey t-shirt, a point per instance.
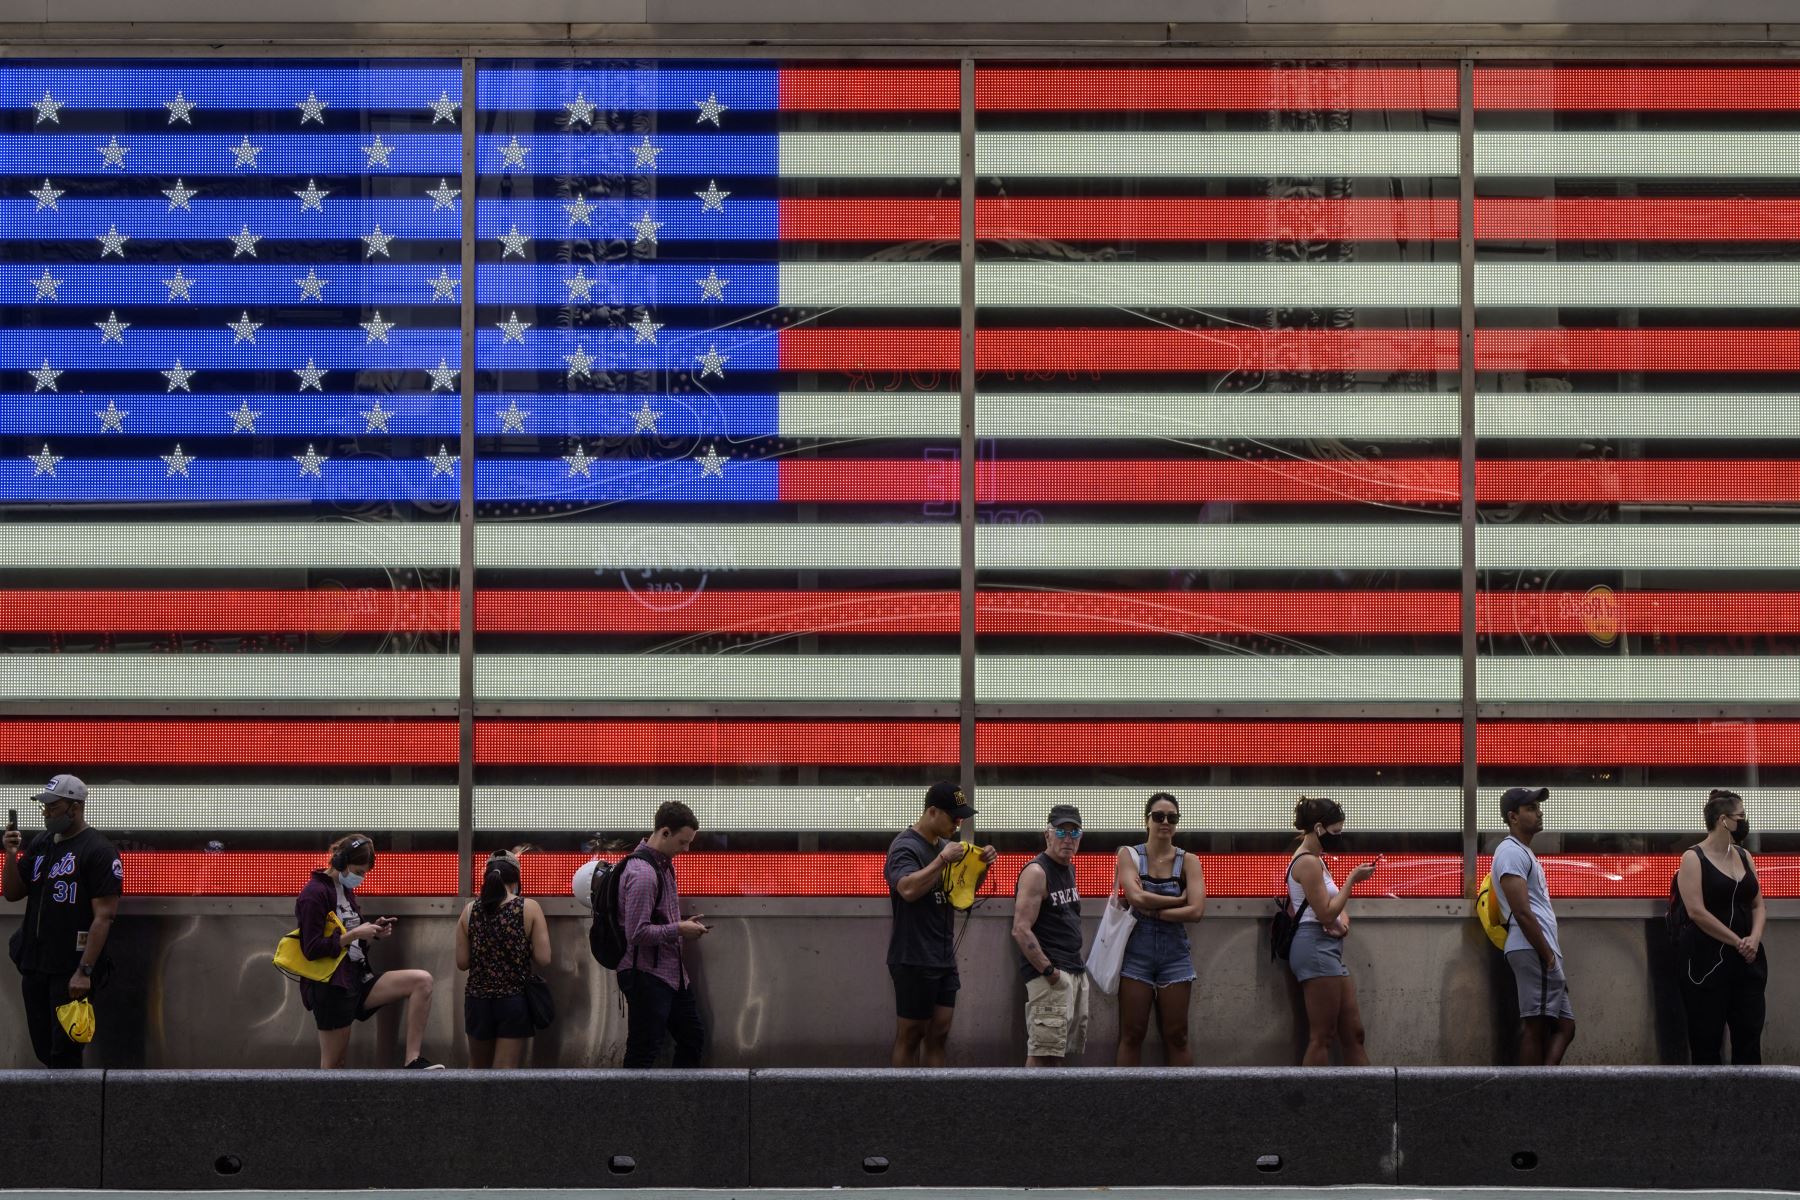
(1546, 1018)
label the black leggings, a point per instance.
(44, 994)
(1734, 1002)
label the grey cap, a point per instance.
(63, 787)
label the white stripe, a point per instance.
(710, 677)
(890, 284)
(1212, 285)
(870, 414)
(1646, 810)
(93, 546)
(1213, 154)
(848, 809)
(1748, 547)
(895, 155)
(1094, 415)
(1759, 155)
(1698, 679)
(1637, 285)
(346, 677)
(1407, 547)
(130, 808)
(1636, 414)
(1034, 679)
(715, 548)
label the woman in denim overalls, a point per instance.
(1165, 889)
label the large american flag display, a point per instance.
(717, 465)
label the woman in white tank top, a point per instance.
(1317, 955)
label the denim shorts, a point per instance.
(1157, 954)
(1315, 954)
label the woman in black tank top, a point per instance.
(1724, 968)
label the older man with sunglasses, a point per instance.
(1047, 928)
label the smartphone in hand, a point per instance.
(12, 819)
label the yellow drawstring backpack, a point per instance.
(77, 1019)
(291, 960)
(1487, 911)
(962, 879)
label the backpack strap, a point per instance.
(1301, 911)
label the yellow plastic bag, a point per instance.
(291, 960)
(77, 1019)
(962, 879)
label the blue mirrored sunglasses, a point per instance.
(1065, 834)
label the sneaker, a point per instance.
(422, 1063)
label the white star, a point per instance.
(112, 418)
(178, 286)
(580, 287)
(243, 329)
(312, 287)
(46, 285)
(377, 152)
(443, 287)
(443, 195)
(513, 330)
(645, 329)
(513, 154)
(512, 417)
(377, 418)
(444, 108)
(711, 463)
(46, 111)
(645, 154)
(312, 108)
(177, 462)
(710, 108)
(44, 463)
(113, 154)
(244, 242)
(579, 462)
(178, 377)
(443, 462)
(113, 242)
(580, 111)
(310, 462)
(112, 329)
(580, 363)
(179, 195)
(310, 377)
(377, 329)
(44, 377)
(645, 228)
(245, 154)
(312, 199)
(443, 376)
(580, 211)
(513, 242)
(179, 109)
(646, 418)
(712, 287)
(244, 419)
(712, 362)
(712, 199)
(46, 197)
(377, 243)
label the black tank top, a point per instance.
(1058, 924)
(1710, 961)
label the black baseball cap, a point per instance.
(1065, 814)
(948, 795)
(1519, 797)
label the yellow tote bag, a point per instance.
(291, 960)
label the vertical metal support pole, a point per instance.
(966, 381)
(1466, 389)
(465, 513)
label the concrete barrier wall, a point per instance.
(1632, 1127)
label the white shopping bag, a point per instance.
(1108, 952)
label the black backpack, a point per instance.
(1287, 919)
(606, 936)
(1676, 919)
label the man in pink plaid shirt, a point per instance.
(654, 975)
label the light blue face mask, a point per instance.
(350, 881)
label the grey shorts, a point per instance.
(1314, 955)
(1541, 993)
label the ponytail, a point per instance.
(501, 872)
(1316, 810)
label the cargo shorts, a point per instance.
(1056, 1015)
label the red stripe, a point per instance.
(869, 89)
(1661, 89)
(1734, 481)
(373, 742)
(274, 873)
(1619, 743)
(1119, 481)
(365, 610)
(1637, 350)
(1229, 89)
(1574, 220)
(1605, 613)
(708, 743)
(1162, 743)
(936, 351)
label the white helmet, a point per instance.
(583, 883)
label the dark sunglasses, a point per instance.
(1166, 818)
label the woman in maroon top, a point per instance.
(500, 937)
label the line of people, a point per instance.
(71, 878)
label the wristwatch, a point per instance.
(86, 970)
(1048, 971)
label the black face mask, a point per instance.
(1331, 841)
(1742, 831)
